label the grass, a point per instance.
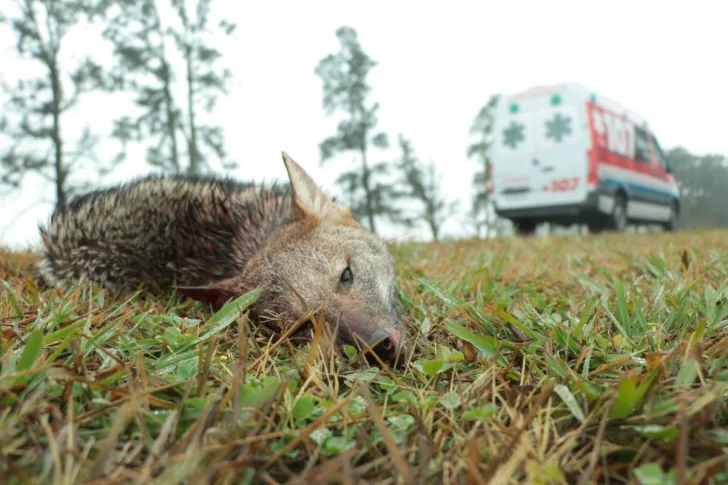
(560, 360)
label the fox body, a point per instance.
(218, 239)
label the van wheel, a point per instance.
(618, 219)
(671, 224)
(525, 227)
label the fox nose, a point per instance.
(385, 343)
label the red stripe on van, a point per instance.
(600, 152)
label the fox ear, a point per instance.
(216, 294)
(310, 201)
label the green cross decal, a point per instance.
(558, 127)
(513, 135)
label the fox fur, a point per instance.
(214, 239)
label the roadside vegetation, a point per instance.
(597, 359)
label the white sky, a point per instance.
(437, 67)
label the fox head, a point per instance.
(322, 260)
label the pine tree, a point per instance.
(345, 89)
(420, 182)
(147, 47)
(481, 129)
(32, 121)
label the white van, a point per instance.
(567, 155)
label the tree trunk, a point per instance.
(56, 134)
(435, 230)
(486, 197)
(171, 116)
(488, 223)
(431, 211)
(367, 189)
(194, 167)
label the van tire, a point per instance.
(618, 219)
(671, 224)
(525, 227)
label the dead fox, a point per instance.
(217, 239)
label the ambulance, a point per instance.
(565, 154)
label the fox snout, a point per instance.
(384, 335)
(387, 344)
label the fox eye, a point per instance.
(347, 278)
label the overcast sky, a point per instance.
(437, 66)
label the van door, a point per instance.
(561, 155)
(513, 153)
(540, 153)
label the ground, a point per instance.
(579, 359)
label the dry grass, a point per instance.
(560, 360)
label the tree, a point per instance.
(481, 128)
(702, 181)
(345, 89)
(420, 183)
(145, 65)
(33, 118)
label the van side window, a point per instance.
(661, 159)
(641, 146)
